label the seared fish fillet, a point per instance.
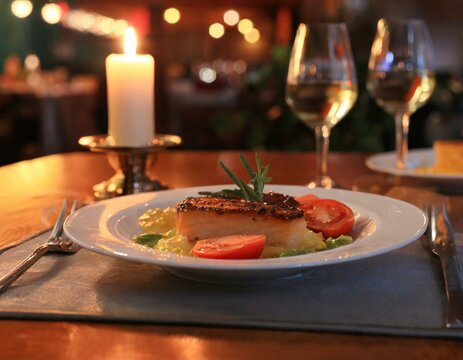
(209, 217)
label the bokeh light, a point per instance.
(84, 21)
(207, 75)
(172, 15)
(88, 21)
(32, 62)
(21, 8)
(245, 26)
(120, 27)
(106, 25)
(239, 66)
(51, 13)
(216, 30)
(253, 36)
(231, 17)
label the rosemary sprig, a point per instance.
(258, 180)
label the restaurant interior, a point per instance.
(120, 121)
(220, 72)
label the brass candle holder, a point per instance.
(130, 164)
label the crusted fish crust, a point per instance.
(208, 217)
(238, 206)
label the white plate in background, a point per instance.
(385, 163)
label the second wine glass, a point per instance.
(400, 78)
(321, 85)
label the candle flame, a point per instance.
(130, 42)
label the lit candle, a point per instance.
(130, 79)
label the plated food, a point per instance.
(107, 227)
(247, 223)
(421, 165)
(448, 158)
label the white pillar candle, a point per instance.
(130, 80)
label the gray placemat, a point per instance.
(398, 293)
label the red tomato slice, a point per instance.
(330, 217)
(305, 200)
(230, 247)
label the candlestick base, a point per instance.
(130, 164)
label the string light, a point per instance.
(216, 30)
(51, 13)
(172, 15)
(94, 23)
(21, 8)
(207, 75)
(106, 25)
(253, 36)
(32, 62)
(245, 26)
(231, 17)
(239, 66)
(83, 21)
(120, 27)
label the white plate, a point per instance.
(382, 224)
(385, 163)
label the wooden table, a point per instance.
(78, 172)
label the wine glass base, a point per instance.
(324, 182)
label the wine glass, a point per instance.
(400, 78)
(321, 86)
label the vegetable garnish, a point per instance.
(341, 240)
(245, 223)
(258, 180)
(330, 217)
(148, 239)
(230, 247)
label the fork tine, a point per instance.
(433, 224)
(427, 209)
(431, 229)
(74, 206)
(445, 216)
(446, 226)
(58, 227)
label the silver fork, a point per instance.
(442, 242)
(55, 243)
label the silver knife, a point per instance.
(442, 242)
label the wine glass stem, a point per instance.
(402, 122)
(322, 140)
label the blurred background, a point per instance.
(220, 71)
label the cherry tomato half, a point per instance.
(330, 217)
(305, 200)
(230, 247)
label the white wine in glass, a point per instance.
(321, 87)
(400, 78)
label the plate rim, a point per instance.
(164, 259)
(371, 163)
